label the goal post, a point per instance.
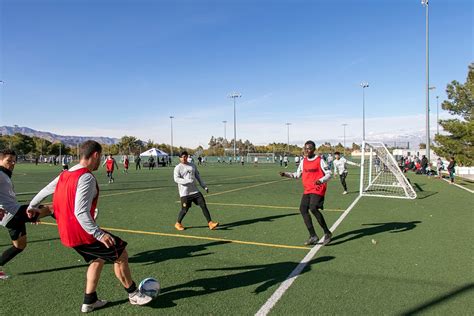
(380, 174)
(262, 157)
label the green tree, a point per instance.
(459, 137)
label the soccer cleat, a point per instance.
(212, 225)
(313, 240)
(87, 308)
(137, 298)
(327, 239)
(3, 275)
(345, 192)
(178, 226)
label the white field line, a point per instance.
(459, 186)
(265, 309)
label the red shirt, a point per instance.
(71, 232)
(109, 164)
(312, 172)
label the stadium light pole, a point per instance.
(288, 137)
(344, 139)
(437, 115)
(363, 85)
(171, 119)
(225, 129)
(235, 95)
(425, 4)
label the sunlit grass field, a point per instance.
(388, 256)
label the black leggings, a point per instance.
(198, 199)
(342, 177)
(313, 203)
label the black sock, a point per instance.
(90, 298)
(132, 288)
(9, 254)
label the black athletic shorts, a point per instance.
(16, 226)
(196, 198)
(312, 201)
(98, 250)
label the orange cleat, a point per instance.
(212, 225)
(178, 226)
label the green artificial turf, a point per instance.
(389, 256)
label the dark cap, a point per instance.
(183, 153)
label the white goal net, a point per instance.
(260, 157)
(380, 174)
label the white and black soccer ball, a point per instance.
(150, 287)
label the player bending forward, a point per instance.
(340, 169)
(315, 174)
(185, 173)
(76, 194)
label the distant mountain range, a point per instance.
(67, 140)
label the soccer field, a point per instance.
(388, 256)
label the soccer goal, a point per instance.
(380, 174)
(262, 157)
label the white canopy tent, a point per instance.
(155, 152)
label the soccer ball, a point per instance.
(150, 287)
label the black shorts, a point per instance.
(17, 225)
(312, 201)
(98, 250)
(187, 201)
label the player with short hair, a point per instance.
(109, 164)
(76, 194)
(315, 175)
(340, 168)
(185, 174)
(13, 216)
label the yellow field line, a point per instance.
(242, 177)
(140, 232)
(268, 206)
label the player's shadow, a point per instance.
(34, 241)
(178, 252)
(373, 229)
(246, 222)
(259, 278)
(53, 269)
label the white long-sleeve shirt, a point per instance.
(340, 165)
(184, 176)
(86, 192)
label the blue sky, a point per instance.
(114, 68)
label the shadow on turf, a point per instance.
(263, 276)
(179, 252)
(375, 228)
(34, 241)
(440, 299)
(422, 194)
(246, 222)
(54, 270)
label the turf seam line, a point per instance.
(459, 186)
(268, 206)
(139, 232)
(285, 285)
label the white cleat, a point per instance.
(137, 298)
(3, 275)
(345, 192)
(87, 308)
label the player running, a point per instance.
(13, 216)
(315, 175)
(109, 164)
(76, 194)
(185, 173)
(340, 168)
